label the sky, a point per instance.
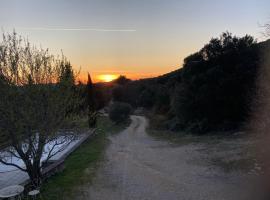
(136, 38)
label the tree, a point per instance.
(122, 80)
(218, 83)
(92, 113)
(119, 112)
(37, 98)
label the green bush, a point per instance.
(119, 112)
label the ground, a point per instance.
(138, 166)
(81, 165)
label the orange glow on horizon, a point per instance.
(107, 77)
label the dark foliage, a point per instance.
(213, 91)
(121, 80)
(91, 103)
(119, 112)
(217, 84)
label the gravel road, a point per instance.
(140, 167)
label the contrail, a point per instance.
(77, 29)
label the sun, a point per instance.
(107, 77)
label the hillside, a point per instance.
(214, 89)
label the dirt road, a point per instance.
(140, 167)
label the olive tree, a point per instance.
(36, 98)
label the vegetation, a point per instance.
(214, 90)
(119, 112)
(91, 104)
(38, 95)
(81, 165)
(39, 101)
(121, 80)
(217, 84)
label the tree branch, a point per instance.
(51, 154)
(12, 164)
(13, 154)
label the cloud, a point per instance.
(76, 29)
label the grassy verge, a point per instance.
(81, 165)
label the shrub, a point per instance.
(119, 112)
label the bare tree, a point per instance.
(36, 98)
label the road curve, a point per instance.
(139, 167)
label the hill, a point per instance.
(214, 90)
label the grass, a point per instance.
(81, 165)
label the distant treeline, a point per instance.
(214, 90)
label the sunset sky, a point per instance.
(136, 38)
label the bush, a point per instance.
(119, 112)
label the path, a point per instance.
(140, 167)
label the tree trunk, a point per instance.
(34, 172)
(35, 177)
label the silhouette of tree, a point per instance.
(217, 84)
(122, 80)
(92, 113)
